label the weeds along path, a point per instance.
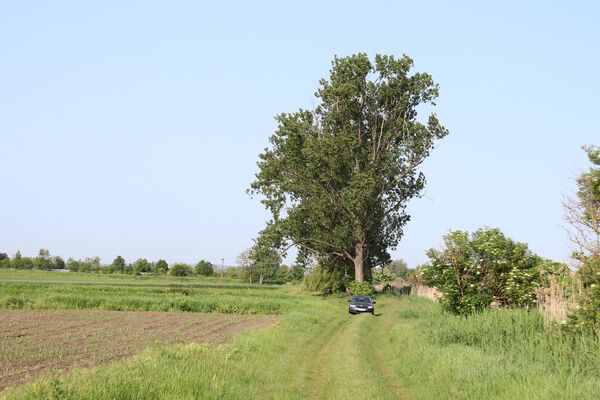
(346, 365)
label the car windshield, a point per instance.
(362, 299)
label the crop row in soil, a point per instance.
(41, 343)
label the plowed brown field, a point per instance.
(36, 343)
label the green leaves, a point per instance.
(204, 268)
(472, 271)
(337, 179)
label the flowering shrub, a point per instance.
(474, 271)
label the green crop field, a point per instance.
(410, 349)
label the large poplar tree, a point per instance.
(337, 179)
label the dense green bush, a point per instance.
(204, 268)
(181, 269)
(4, 260)
(323, 280)
(361, 288)
(20, 262)
(397, 291)
(141, 265)
(474, 271)
(161, 267)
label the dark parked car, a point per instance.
(360, 304)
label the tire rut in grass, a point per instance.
(344, 366)
(322, 349)
(376, 354)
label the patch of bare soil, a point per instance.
(41, 343)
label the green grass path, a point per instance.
(349, 362)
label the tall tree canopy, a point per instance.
(337, 179)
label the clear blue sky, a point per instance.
(133, 128)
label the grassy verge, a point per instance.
(496, 354)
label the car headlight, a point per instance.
(352, 306)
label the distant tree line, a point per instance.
(261, 264)
(45, 262)
(254, 266)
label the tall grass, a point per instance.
(500, 354)
(522, 335)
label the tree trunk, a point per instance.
(359, 263)
(260, 279)
(250, 275)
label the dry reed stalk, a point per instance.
(558, 298)
(426, 291)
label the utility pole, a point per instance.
(222, 266)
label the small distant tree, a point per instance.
(93, 260)
(232, 273)
(284, 274)
(118, 265)
(399, 268)
(73, 265)
(42, 261)
(298, 272)
(181, 269)
(246, 263)
(26, 263)
(85, 266)
(59, 263)
(141, 266)
(4, 260)
(161, 267)
(17, 261)
(204, 268)
(90, 264)
(266, 260)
